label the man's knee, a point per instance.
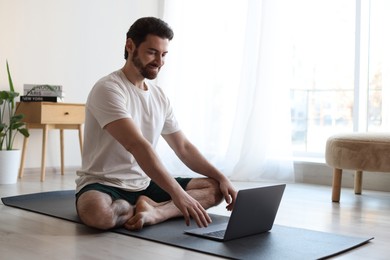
(94, 212)
(211, 188)
(216, 192)
(97, 219)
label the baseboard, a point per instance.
(321, 174)
(305, 172)
(50, 170)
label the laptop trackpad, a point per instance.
(209, 229)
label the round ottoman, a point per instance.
(359, 152)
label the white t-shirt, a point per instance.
(105, 160)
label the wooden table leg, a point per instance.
(43, 159)
(23, 159)
(81, 137)
(62, 151)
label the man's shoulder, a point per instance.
(109, 87)
(111, 82)
(113, 77)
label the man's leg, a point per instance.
(97, 209)
(206, 191)
(149, 212)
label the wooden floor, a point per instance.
(26, 235)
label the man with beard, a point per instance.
(122, 181)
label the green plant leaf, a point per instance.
(3, 95)
(24, 132)
(11, 84)
(17, 125)
(10, 124)
(16, 118)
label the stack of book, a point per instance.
(41, 93)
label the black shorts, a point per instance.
(153, 191)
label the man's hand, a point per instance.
(191, 208)
(229, 193)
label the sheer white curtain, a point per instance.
(227, 74)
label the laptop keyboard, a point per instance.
(218, 233)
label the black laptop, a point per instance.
(254, 213)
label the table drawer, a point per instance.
(63, 114)
(52, 113)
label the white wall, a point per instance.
(67, 42)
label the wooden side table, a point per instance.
(47, 116)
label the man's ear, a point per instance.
(130, 46)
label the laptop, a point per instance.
(254, 213)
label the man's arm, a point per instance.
(194, 160)
(130, 137)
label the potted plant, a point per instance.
(10, 124)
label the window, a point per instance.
(339, 70)
(268, 72)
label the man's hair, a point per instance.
(148, 25)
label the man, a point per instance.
(122, 181)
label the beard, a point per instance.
(147, 71)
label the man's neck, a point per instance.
(134, 77)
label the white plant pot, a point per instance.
(9, 166)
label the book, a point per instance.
(38, 99)
(42, 90)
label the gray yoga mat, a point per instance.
(280, 243)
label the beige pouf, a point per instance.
(359, 152)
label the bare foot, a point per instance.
(146, 213)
